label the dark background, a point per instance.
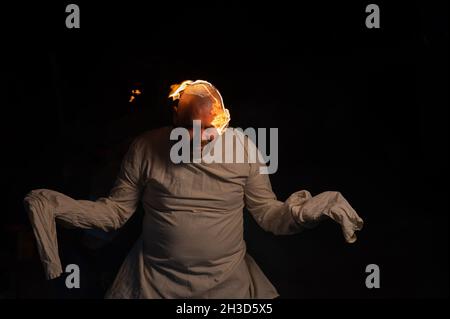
(360, 111)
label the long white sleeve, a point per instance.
(271, 214)
(309, 209)
(300, 210)
(45, 207)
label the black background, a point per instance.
(360, 111)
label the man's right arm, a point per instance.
(45, 207)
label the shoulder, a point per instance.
(149, 137)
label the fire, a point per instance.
(177, 89)
(134, 93)
(221, 114)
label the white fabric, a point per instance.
(192, 242)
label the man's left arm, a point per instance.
(299, 211)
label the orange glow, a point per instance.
(176, 89)
(134, 93)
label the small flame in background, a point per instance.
(221, 114)
(134, 93)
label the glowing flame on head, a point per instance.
(221, 114)
(177, 89)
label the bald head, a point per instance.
(199, 101)
(194, 107)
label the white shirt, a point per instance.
(192, 243)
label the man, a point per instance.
(192, 242)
